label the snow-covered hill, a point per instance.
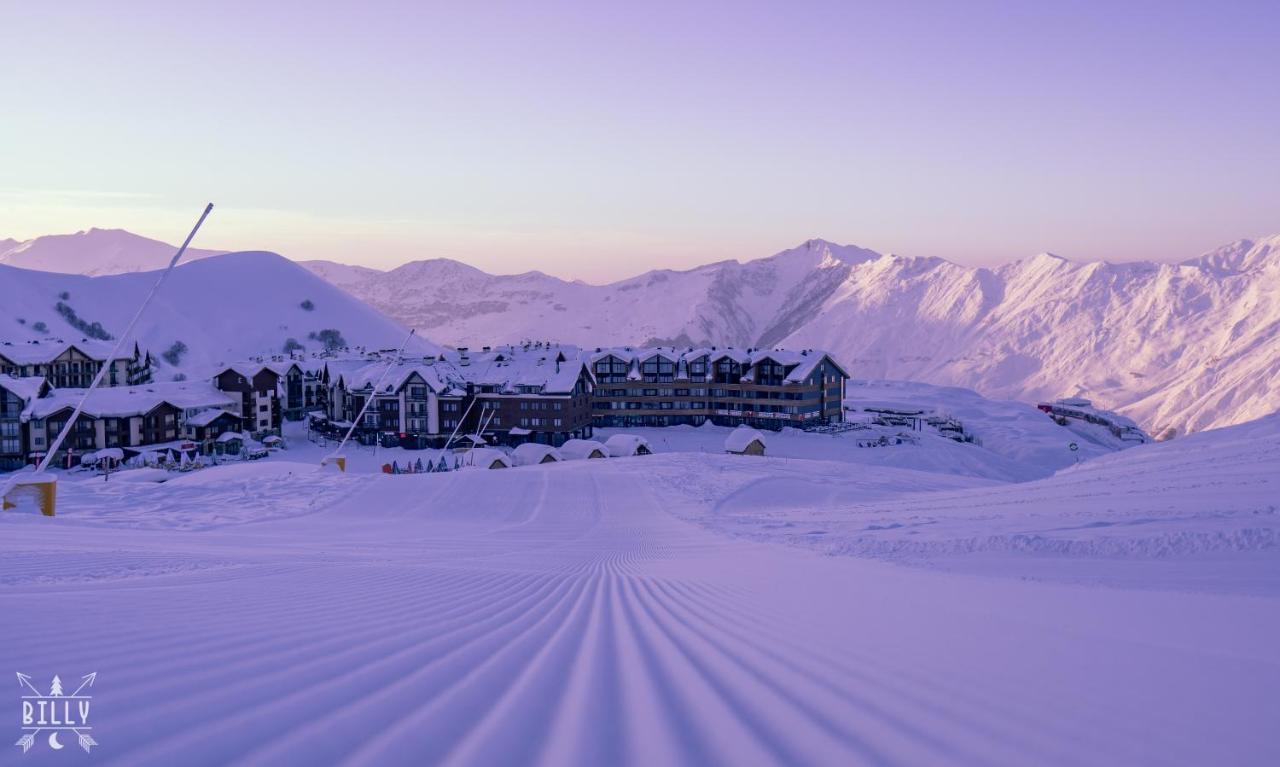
(95, 252)
(222, 309)
(1178, 347)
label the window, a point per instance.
(556, 422)
(263, 408)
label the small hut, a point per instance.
(229, 443)
(576, 449)
(744, 440)
(622, 445)
(486, 458)
(531, 453)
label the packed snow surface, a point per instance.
(677, 608)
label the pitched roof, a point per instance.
(44, 352)
(123, 401)
(531, 453)
(740, 438)
(582, 448)
(25, 387)
(620, 445)
(206, 417)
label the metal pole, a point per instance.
(66, 428)
(368, 401)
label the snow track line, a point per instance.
(562, 616)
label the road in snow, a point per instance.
(563, 615)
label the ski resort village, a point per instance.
(835, 384)
(316, 537)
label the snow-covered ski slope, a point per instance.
(679, 608)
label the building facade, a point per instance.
(32, 414)
(74, 365)
(257, 389)
(510, 395)
(761, 388)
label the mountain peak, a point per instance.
(94, 252)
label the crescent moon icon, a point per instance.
(53, 742)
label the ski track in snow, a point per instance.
(560, 615)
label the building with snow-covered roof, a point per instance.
(531, 453)
(1080, 409)
(764, 388)
(71, 364)
(579, 449)
(115, 417)
(622, 445)
(744, 440)
(485, 458)
(256, 389)
(509, 394)
(15, 396)
(204, 428)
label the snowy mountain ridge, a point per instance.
(93, 253)
(1177, 346)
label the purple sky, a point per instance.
(596, 140)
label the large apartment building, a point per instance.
(762, 388)
(134, 418)
(531, 393)
(548, 394)
(70, 365)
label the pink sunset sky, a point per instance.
(597, 140)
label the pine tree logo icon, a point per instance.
(56, 713)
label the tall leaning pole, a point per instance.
(42, 485)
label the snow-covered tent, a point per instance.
(531, 453)
(744, 440)
(486, 458)
(620, 445)
(576, 449)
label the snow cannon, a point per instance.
(31, 490)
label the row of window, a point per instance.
(704, 405)
(703, 392)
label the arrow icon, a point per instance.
(88, 682)
(25, 680)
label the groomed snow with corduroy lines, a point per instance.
(679, 608)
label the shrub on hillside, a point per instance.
(330, 337)
(173, 355)
(90, 329)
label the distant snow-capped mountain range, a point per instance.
(1177, 346)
